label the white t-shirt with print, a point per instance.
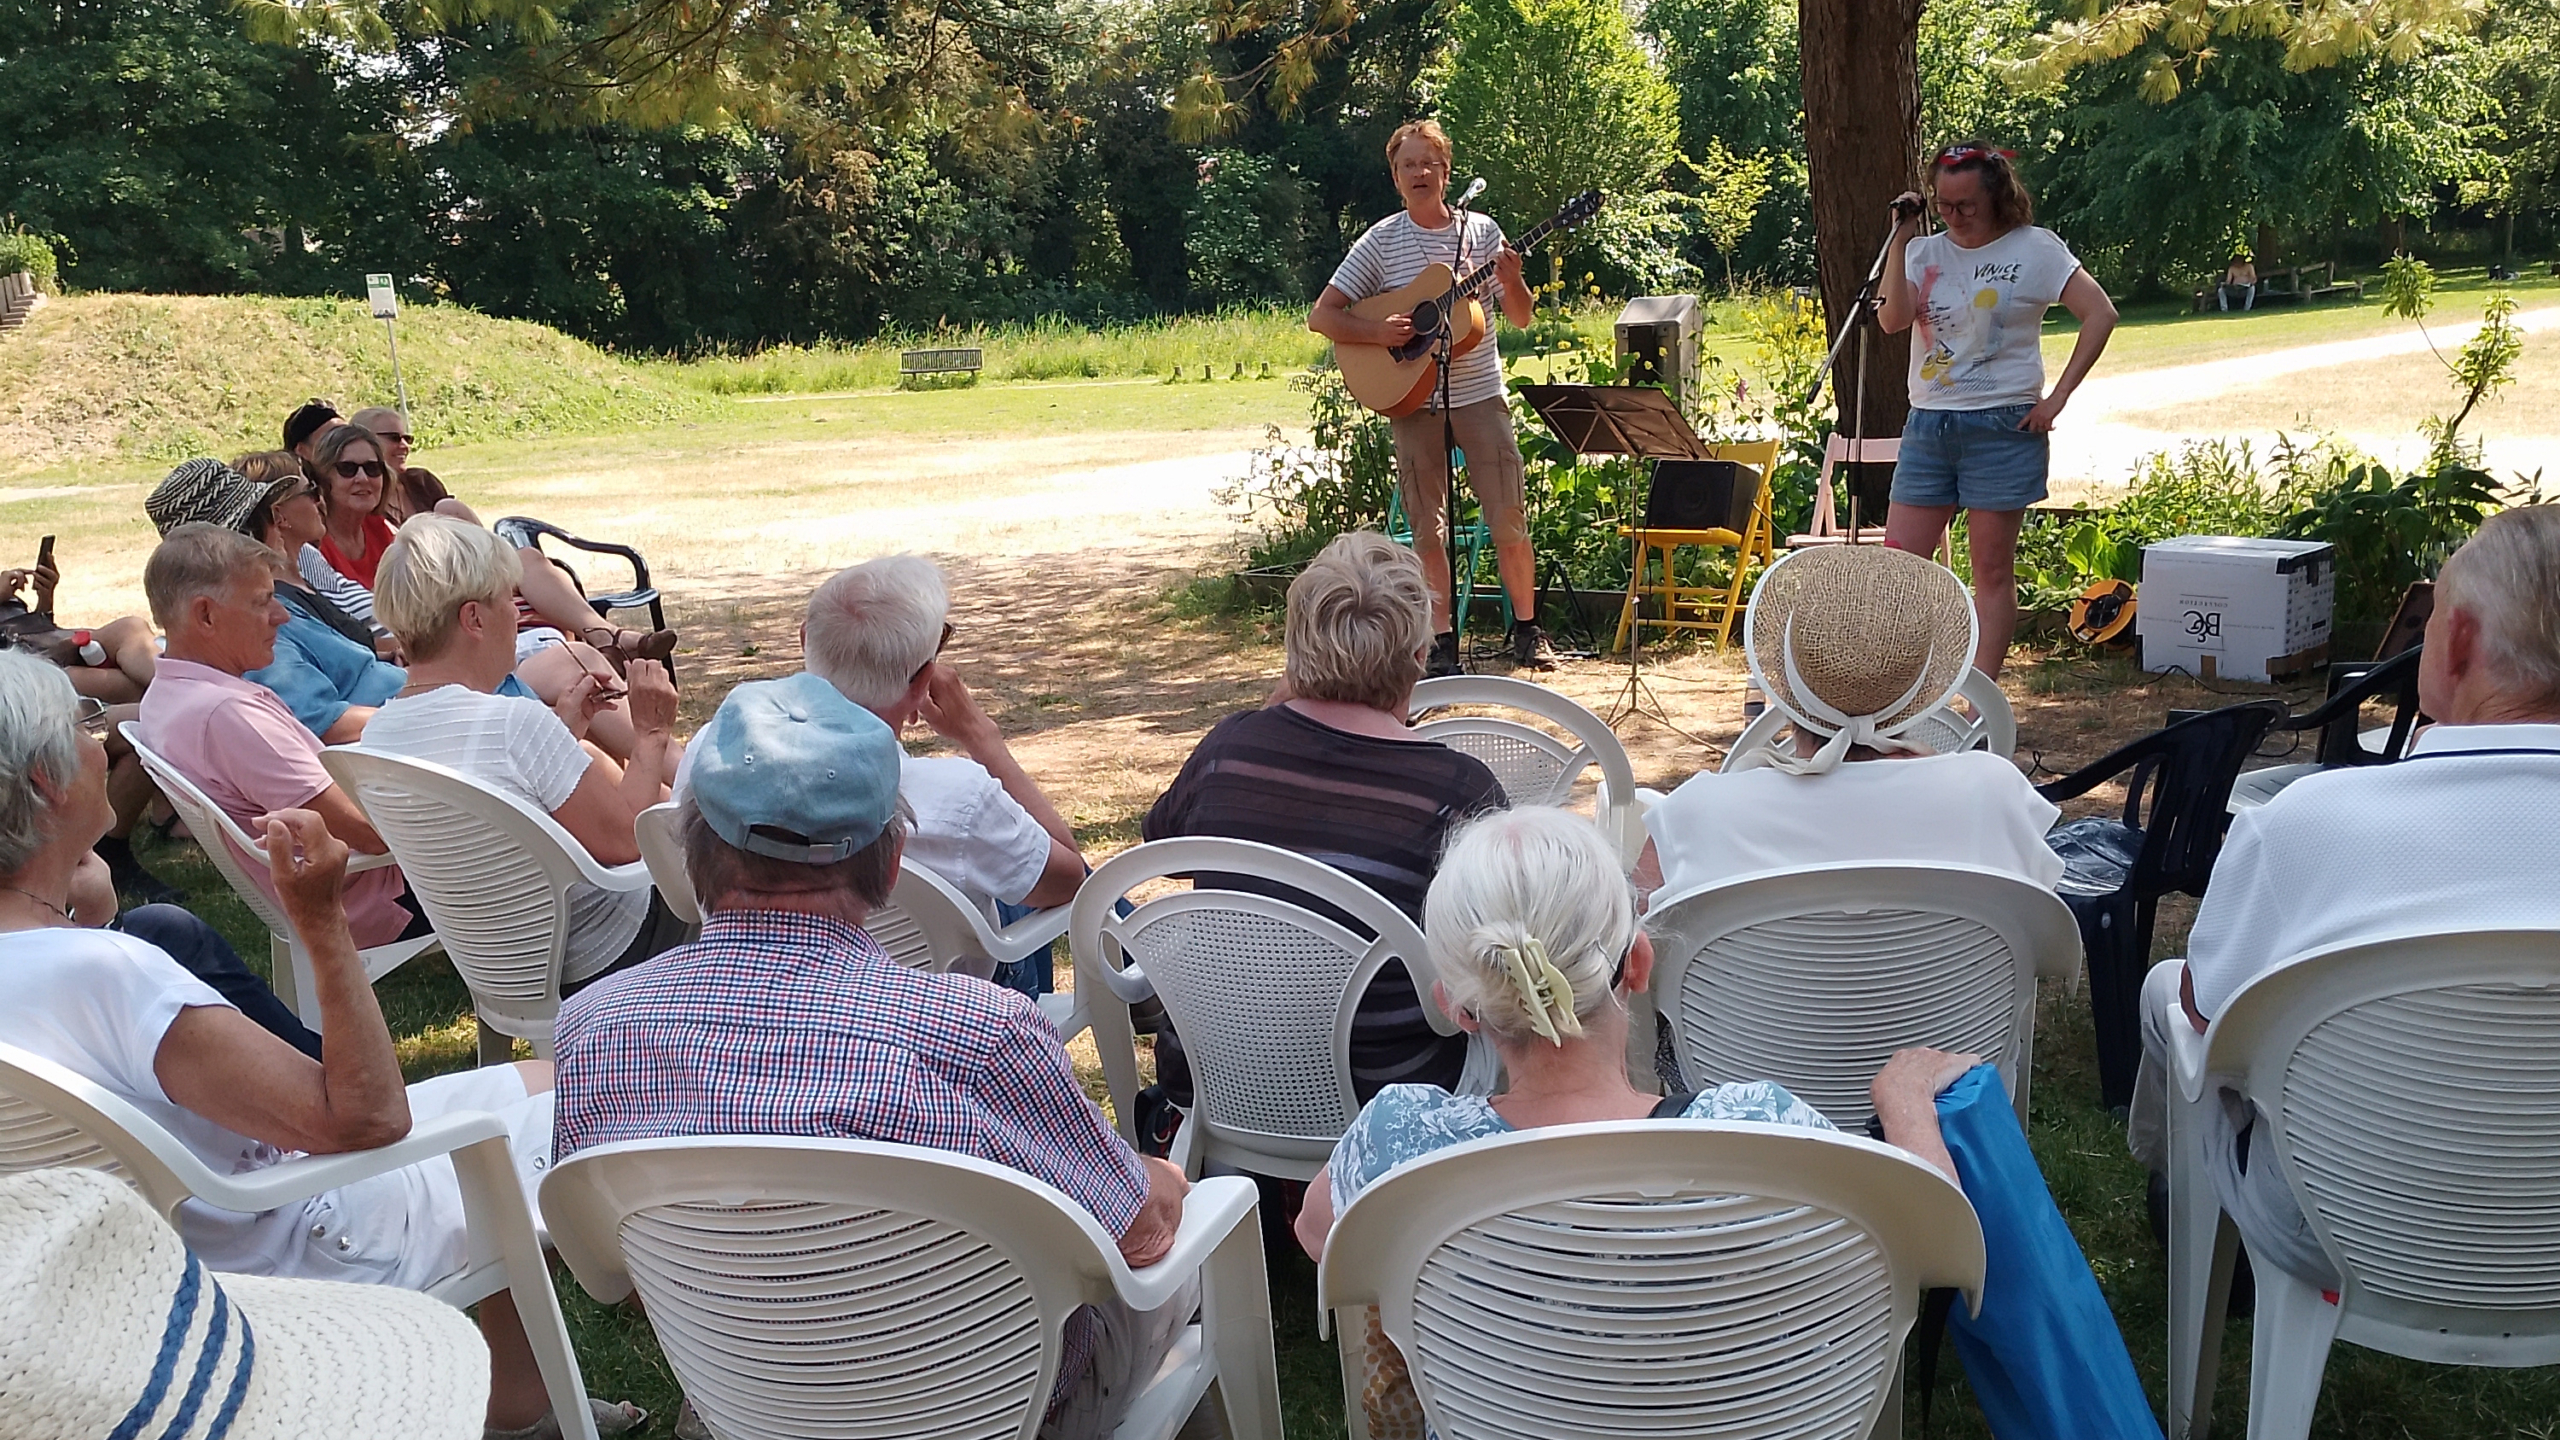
(1389, 254)
(526, 751)
(1976, 343)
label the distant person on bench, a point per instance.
(2240, 280)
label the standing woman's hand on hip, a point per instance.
(2040, 419)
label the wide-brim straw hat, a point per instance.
(202, 490)
(1858, 640)
(108, 1326)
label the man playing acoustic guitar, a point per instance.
(1390, 254)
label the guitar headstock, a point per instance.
(1578, 209)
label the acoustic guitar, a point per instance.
(1399, 379)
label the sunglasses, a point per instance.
(91, 715)
(393, 436)
(1958, 154)
(350, 469)
(938, 647)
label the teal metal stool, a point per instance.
(1474, 539)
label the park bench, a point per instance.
(968, 360)
(18, 299)
(2295, 284)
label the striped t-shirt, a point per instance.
(1392, 252)
(1378, 810)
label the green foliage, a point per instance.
(1047, 349)
(1547, 98)
(2208, 487)
(1297, 498)
(2408, 287)
(2484, 365)
(2172, 43)
(1244, 232)
(1787, 344)
(20, 251)
(2388, 532)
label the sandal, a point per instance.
(613, 1417)
(621, 647)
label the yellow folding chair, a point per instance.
(1700, 607)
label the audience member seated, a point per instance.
(113, 662)
(785, 1018)
(265, 469)
(876, 633)
(1533, 933)
(212, 590)
(2455, 837)
(1332, 771)
(331, 683)
(308, 422)
(122, 1013)
(347, 464)
(1849, 641)
(448, 591)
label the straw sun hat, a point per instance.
(1853, 643)
(109, 1327)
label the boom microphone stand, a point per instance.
(1442, 349)
(1861, 320)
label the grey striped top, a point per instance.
(1395, 250)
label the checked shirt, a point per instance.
(779, 1023)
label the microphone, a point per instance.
(1474, 188)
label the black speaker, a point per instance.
(1700, 495)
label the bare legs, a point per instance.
(1991, 540)
(550, 671)
(132, 659)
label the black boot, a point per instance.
(1444, 655)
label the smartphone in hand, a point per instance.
(44, 552)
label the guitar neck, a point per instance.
(1473, 280)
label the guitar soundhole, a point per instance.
(1426, 329)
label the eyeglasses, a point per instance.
(91, 715)
(350, 469)
(392, 436)
(1958, 154)
(938, 647)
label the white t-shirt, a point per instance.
(1389, 254)
(2458, 836)
(967, 829)
(526, 751)
(1977, 341)
(1971, 808)
(98, 1003)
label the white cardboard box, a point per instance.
(2226, 607)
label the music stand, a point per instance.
(1637, 420)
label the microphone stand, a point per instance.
(1862, 320)
(1442, 351)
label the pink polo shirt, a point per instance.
(244, 749)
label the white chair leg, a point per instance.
(1889, 1420)
(289, 972)
(2202, 1247)
(1235, 1328)
(487, 1173)
(1117, 1045)
(2288, 1354)
(1350, 1335)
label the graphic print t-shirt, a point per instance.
(1981, 314)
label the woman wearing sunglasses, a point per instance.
(1977, 439)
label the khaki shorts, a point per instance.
(1493, 467)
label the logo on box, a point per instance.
(2204, 625)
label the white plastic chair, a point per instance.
(2409, 1088)
(492, 872)
(1672, 1277)
(1813, 976)
(1992, 725)
(50, 1115)
(232, 852)
(847, 1288)
(1262, 991)
(1536, 768)
(927, 924)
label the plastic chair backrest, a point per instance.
(2186, 769)
(835, 1287)
(492, 872)
(52, 1116)
(1813, 977)
(2412, 1087)
(1262, 990)
(1653, 1277)
(221, 838)
(1992, 726)
(661, 841)
(2340, 718)
(1535, 768)
(524, 532)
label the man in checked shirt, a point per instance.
(785, 1018)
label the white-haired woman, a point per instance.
(1333, 770)
(1533, 933)
(120, 1011)
(447, 590)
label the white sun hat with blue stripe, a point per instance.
(110, 1328)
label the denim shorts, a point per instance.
(1971, 459)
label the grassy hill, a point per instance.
(133, 382)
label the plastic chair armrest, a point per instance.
(2080, 782)
(357, 864)
(1009, 943)
(634, 876)
(2187, 1052)
(309, 1175)
(1213, 1209)
(1131, 985)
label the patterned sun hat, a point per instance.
(1854, 642)
(205, 490)
(108, 1326)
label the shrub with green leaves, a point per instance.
(21, 251)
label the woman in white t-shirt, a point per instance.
(447, 590)
(123, 1014)
(1976, 439)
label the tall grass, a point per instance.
(1049, 349)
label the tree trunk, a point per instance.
(2395, 236)
(2268, 250)
(1862, 141)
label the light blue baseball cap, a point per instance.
(793, 770)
